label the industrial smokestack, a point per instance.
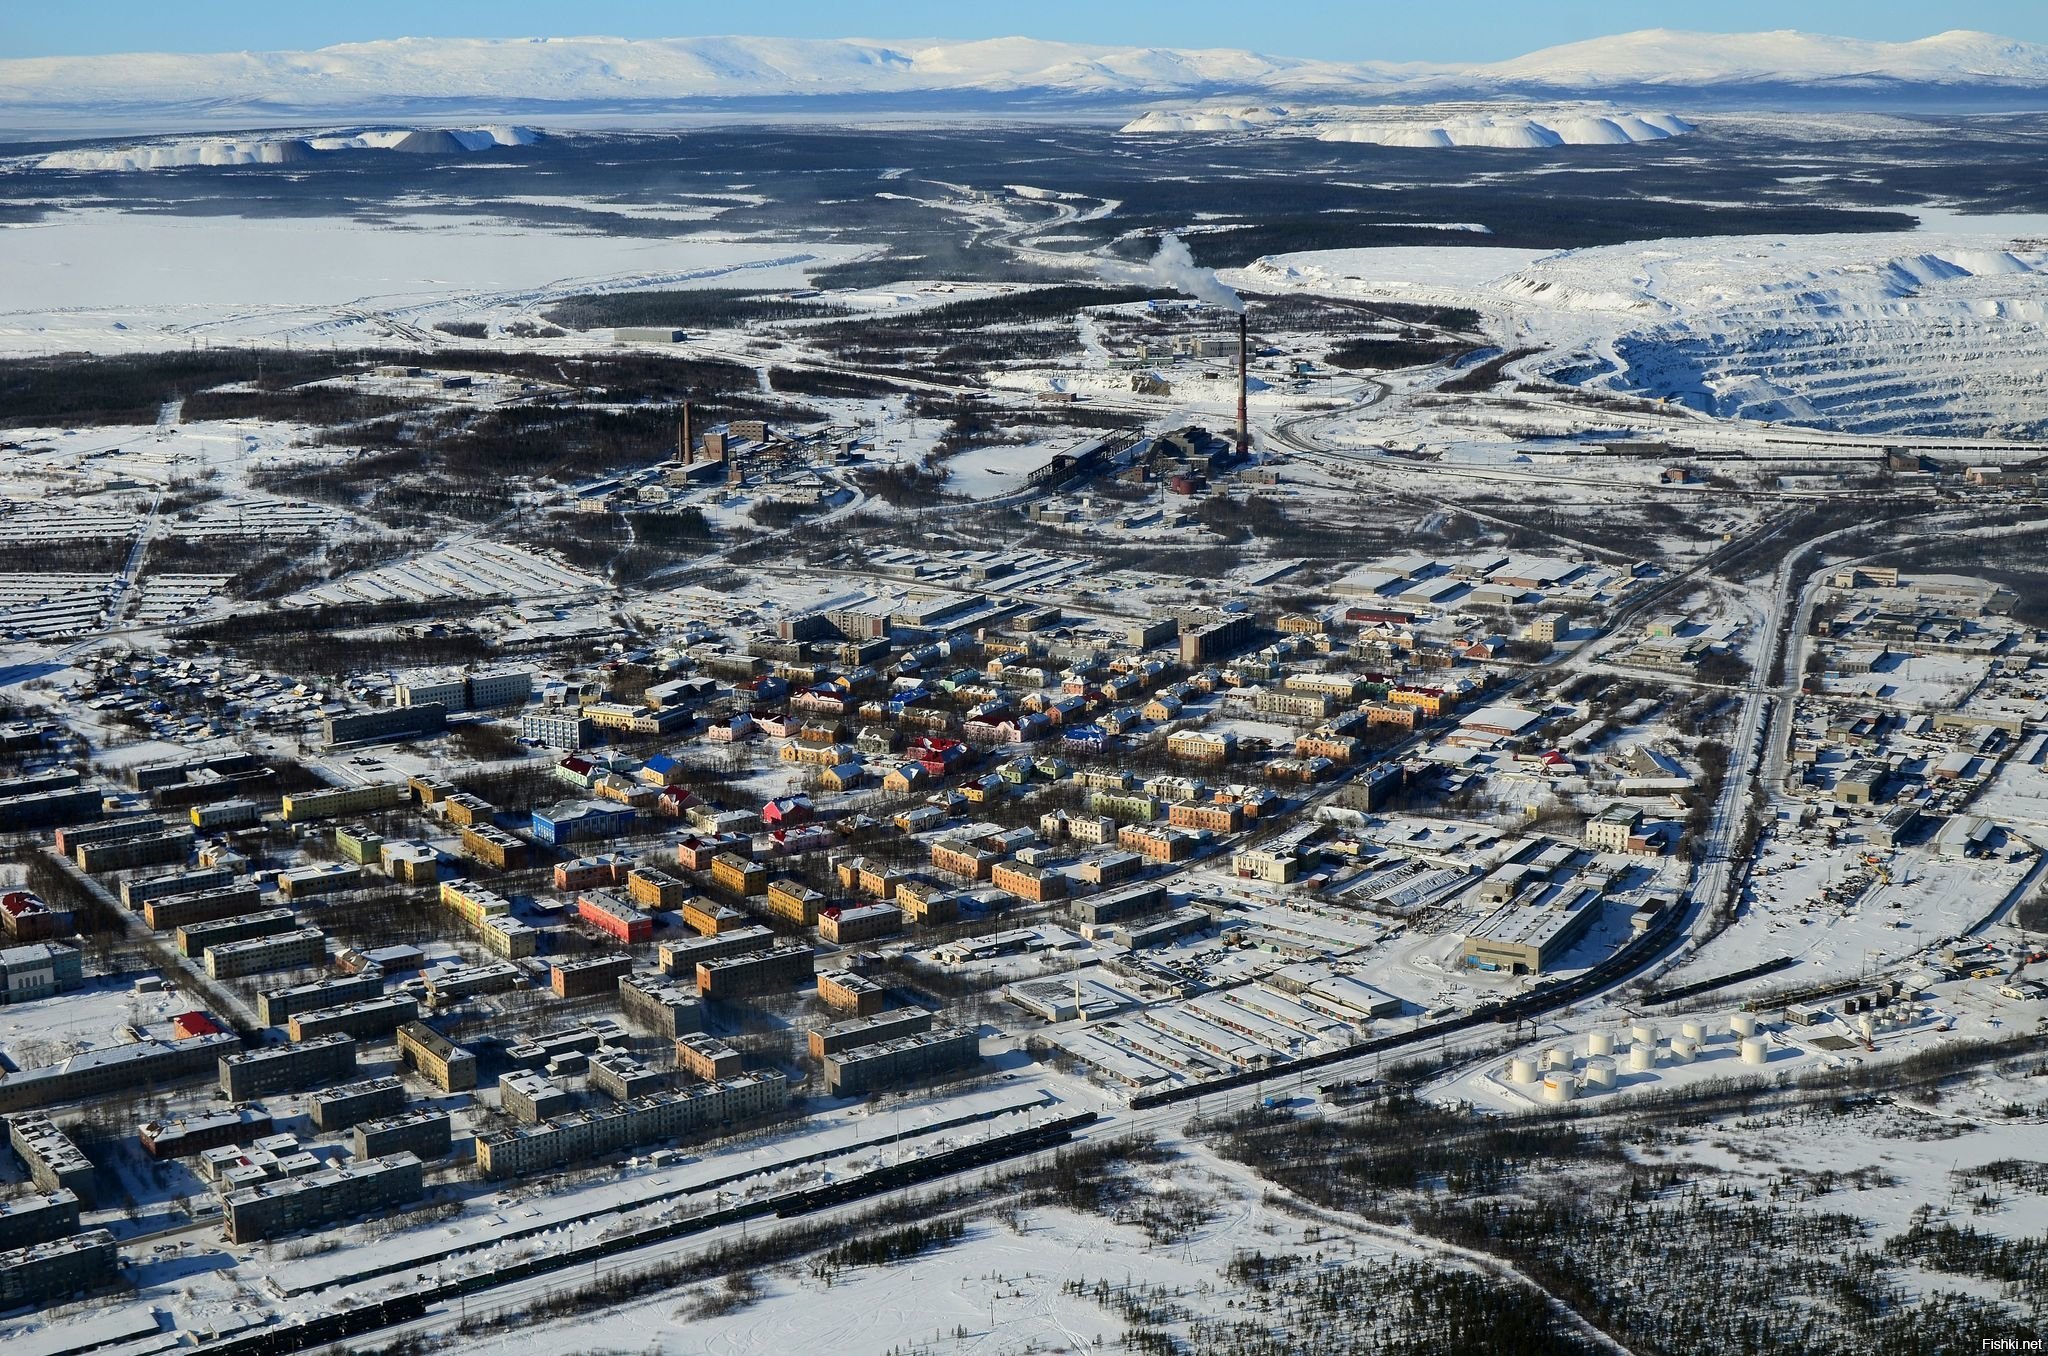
(689, 448)
(1244, 434)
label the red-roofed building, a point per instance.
(190, 1025)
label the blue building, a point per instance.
(576, 821)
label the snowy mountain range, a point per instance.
(596, 75)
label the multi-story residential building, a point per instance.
(193, 938)
(530, 1096)
(680, 959)
(581, 976)
(660, 1004)
(423, 1132)
(737, 875)
(294, 950)
(305, 882)
(344, 800)
(275, 1007)
(54, 1163)
(449, 986)
(794, 902)
(335, 1109)
(116, 1068)
(322, 1198)
(843, 991)
(583, 1135)
(755, 972)
(852, 925)
(189, 1135)
(1217, 817)
(883, 1026)
(1037, 884)
(862, 1069)
(27, 1220)
(249, 1074)
(371, 1019)
(43, 1272)
(652, 888)
(614, 917)
(707, 1057)
(137, 892)
(435, 1058)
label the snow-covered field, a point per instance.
(106, 280)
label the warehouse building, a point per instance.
(863, 1069)
(286, 1068)
(322, 1198)
(1529, 941)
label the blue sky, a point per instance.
(1401, 30)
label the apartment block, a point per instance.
(708, 918)
(328, 878)
(738, 875)
(755, 972)
(201, 906)
(494, 847)
(114, 1068)
(343, 800)
(54, 1163)
(883, 1026)
(661, 1005)
(865, 1069)
(294, 950)
(435, 1058)
(794, 903)
(854, 995)
(334, 1109)
(652, 888)
(623, 1078)
(423, 1132)
(859, 923)
(286, 1068)
(581, 976)
(275, 1007)
(614, 917)
(1217, 817)
(1036, 884)
(44, 1272)
(707, 1057)
(322, 1198)
(371, 1020)
(137, 892)
(449, 986)
(680, 959)
(193, 938)
(172, 845)
(188, 1135)
(27, 1220)
(580, 1136)
(530, 1097)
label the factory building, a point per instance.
(862, 1069)
(580, 1136)
(435, 1058)
(286, 1068)
(755, 972)
(321, 1198)
(1525, 940)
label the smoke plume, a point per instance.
(1174, 267)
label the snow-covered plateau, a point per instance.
(185, 152)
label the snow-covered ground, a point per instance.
(1937, 330)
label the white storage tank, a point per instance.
(1645, 1033)
(1559, 1086)
(1682, 1051)
(1521, 1069)
(1754, 1051)
(1695, 1032)
(1743, 1024)
(1557, 1057)
(1641, 1057)
(1600, 1072)
(1600, 1043)
(1869, 1025)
